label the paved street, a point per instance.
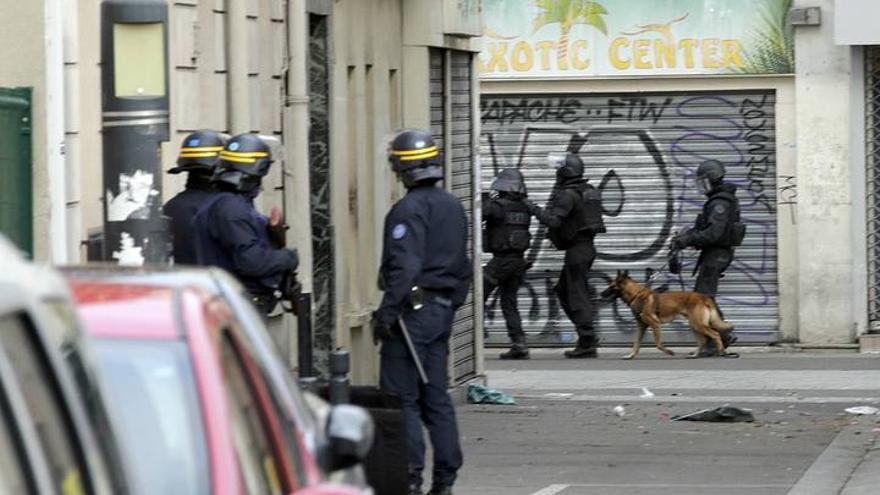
(563, 436)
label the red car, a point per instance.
(191, 410)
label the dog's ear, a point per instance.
(626, 273)
(618, 273)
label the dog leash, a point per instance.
(654, 276)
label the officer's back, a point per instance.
(436, 214)
(232, 234)
(199, 156)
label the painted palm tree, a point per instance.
(568, 13)
(771, 49)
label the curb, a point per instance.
(865, 479)
(848, 350)
(843, 467)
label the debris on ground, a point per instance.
(646, 394)
(862, 410)
(478, 394)
(723, 414)
(620, 411)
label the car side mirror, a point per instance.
(350, 430)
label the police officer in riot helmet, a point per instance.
(574, 217)
(506, 235)
(199, 156)
(425, 276)
(717, 231)
(233, 235)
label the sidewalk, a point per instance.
(564, 438)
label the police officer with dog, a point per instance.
(717, 231)
(425, 276)
(574, 217)
(233, 235)
(199, 156)
(506, 235)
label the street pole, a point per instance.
(135, 121)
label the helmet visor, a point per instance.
(704, 185)
(556, 160)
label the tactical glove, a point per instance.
(381, 331)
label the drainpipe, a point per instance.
(56, 171)
(297, 192)
(237, 67)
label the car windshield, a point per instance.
(156, 408)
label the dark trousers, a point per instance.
(506, 273)
(430, 329)
(712, 263)
(574, 292)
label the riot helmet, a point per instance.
(568, 165)
(415, 158)
(243, 163)
(710, 173)
(200, 153)
(510, 180)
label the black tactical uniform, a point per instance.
(574, 216)
(425, 247)
(232, 234)
(199, 155)
(506, 235)
(716, 232)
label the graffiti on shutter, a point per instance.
(641, 151)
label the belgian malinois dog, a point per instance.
(652, 309)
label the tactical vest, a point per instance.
(735, 230)
(584, 220)
(512, 234)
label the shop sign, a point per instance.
(613, 38)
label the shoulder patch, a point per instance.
(719, 208)
(398, 232)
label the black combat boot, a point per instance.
(728, 338)
(518, 350)
(585, 348)
(581, 352)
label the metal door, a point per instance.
(16, 218)
(641, 151)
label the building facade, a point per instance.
(330, 79)
(644, 92)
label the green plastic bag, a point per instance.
(478, 394)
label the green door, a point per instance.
(15, 167)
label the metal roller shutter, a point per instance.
(872, 123)
(641, 151)
(452, 127)
(461, 161)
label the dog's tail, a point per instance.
(715, 319)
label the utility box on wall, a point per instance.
(462, 17)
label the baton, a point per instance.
(412, 350)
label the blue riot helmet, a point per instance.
(415, 158)
(200, 152)
(243, 163)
